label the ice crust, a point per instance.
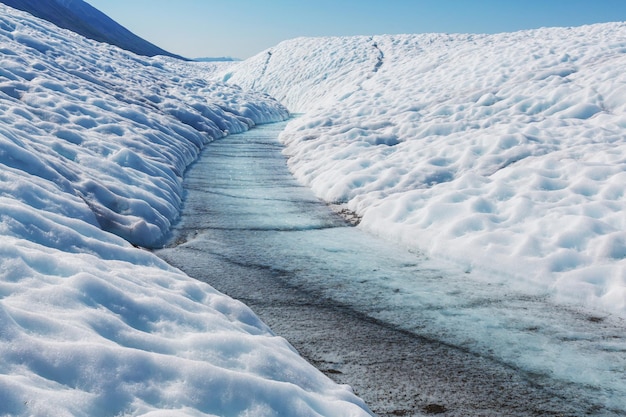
(504, 153)
(93, 145)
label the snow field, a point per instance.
(83, 336)
(504, 153)
(93, 145)
(113, 128)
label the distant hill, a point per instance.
(86, 20)
(217, 59)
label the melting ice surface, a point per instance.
(93, 143)
(505, 152)
(241, 189)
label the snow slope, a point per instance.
(80, 17)
(95, 140)
(505, 153)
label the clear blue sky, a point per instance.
(242, 28)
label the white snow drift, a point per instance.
(95, 140)
(505, 152)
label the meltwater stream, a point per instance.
(412, 337)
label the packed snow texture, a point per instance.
(504, 153)
(95, 140)
(110, 128)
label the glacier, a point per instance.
(94, 143)
(503, 153)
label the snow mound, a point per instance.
(95, 140)
(110, 128)
(503, 152)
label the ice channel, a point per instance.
(412, 336)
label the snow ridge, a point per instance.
(503, 153)
(80, 17)
(147, 124)
(95, 140)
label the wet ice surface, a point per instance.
(412, 336)
(505, 152)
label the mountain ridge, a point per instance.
(84, 19)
